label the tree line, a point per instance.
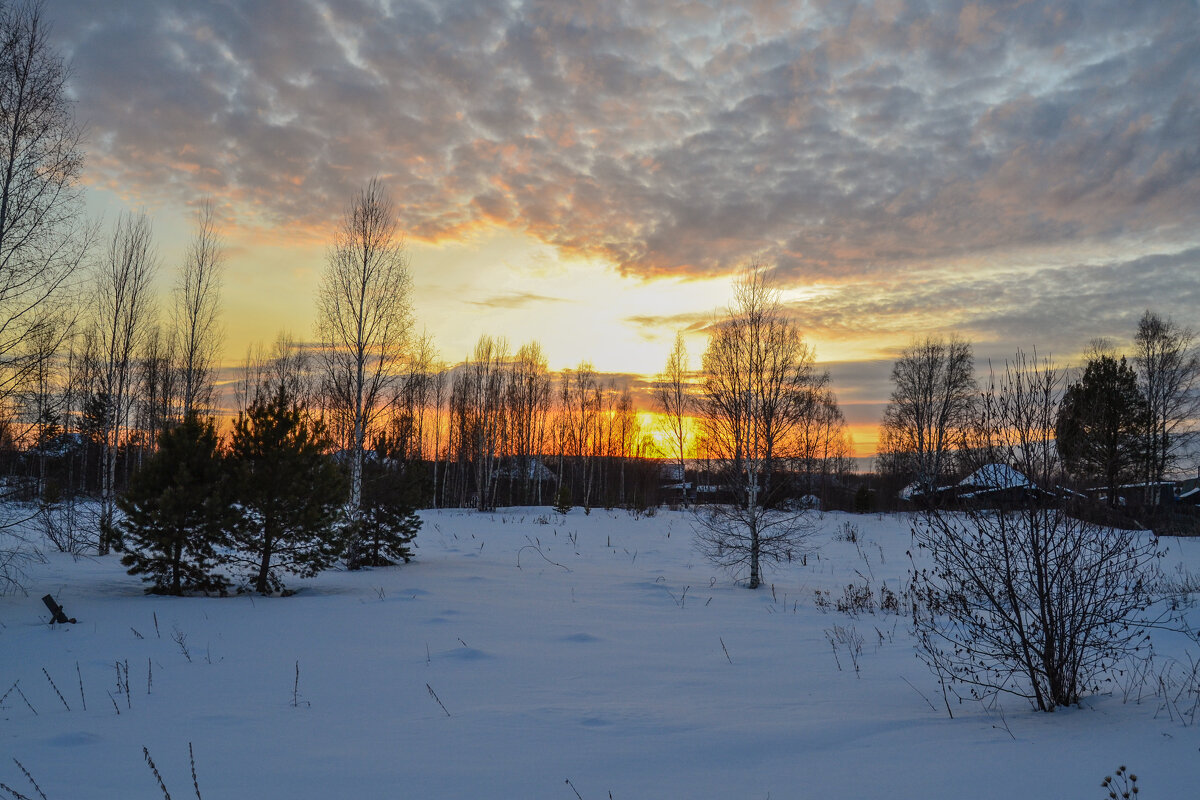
(1122, 428)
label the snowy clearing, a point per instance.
(523, 650)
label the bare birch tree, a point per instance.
(197, 304)
(931, 404)
(529, 406)
(123, 315)
(1165, 358)
(286, 367)
(477, 400)
(42, 399)
(675, 405)
(43, 238)
(580, 388)
(158, 387)
(821, 448)
(365, 314)
(437, 392)
(756, 371)
(627, 432)
(410, 401)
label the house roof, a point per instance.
(996, 476)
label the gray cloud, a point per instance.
(836, 140)
(515, 300)
(1057, 310)
(687, 321)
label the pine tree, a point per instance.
(562, 500)
(388, 521)
(176, 510)
(289, 490)
(1100, 423)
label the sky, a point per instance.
(591, 175)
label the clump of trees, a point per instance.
(266, 506)
(273, 502)
(1024, 597)
(1126, 424)
(516, 433)
(1100, 426)
(1122, 429)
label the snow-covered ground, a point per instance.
(599, 650)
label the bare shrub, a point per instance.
(847, 641)
(847, 532)
(857, 599)
(742, 539)
(66, 527)
(1024, 598)
(821, 600)
(17, 553)
(1123, 785)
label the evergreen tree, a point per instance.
(388, 521)
(1100, 423)
(289, 491)
(176, 509)
(562, 500)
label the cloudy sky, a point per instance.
(591, 174)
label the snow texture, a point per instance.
(596, 649)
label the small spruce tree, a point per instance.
(289, 491)
(562, 500)
(388, 520)
(176, 511)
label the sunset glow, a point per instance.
(590, 177)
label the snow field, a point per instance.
(600, 659)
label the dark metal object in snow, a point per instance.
(56, 612)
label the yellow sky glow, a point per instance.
(491, 282)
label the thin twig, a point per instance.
(726, 649)
(433, 694)
(1004, 722)
(154, 769)
(195, 783)
(573, 789)
(56, 691)
(538, 550)
(918, 691)
(15, 794)
(26, 699)
(29, 778)
(946, 699)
